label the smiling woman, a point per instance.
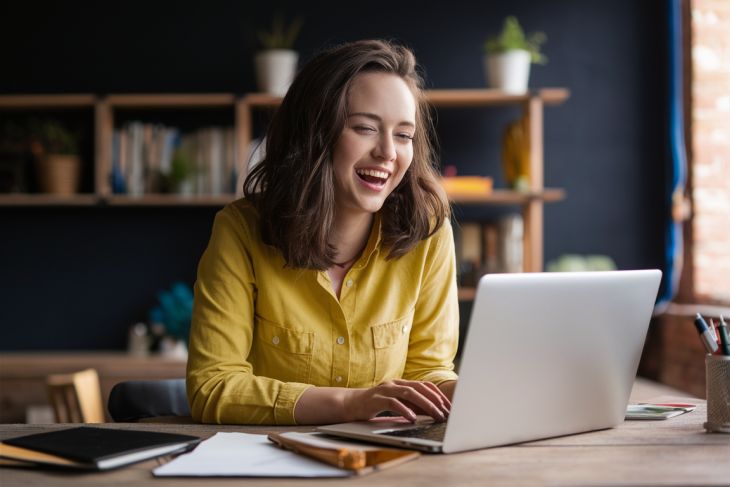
(328, 293)
(374, 150)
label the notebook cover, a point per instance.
(91, 445)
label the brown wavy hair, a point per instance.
(293, 186)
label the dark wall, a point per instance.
(76, 278)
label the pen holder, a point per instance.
(717, 370)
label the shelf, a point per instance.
(486, 97)
(262, 100)
(183, 100)
(509, 197)
(115, 200)
(451, 98)
(18, 199)
(167, 200)
(496, 197)
(47, 101)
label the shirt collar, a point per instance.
(373, 244)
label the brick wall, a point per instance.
(711, 149)
(674, 354)
(682, 360)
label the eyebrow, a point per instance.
(377, 118)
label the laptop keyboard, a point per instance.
(434, 431)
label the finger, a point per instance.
(413, 396)
(441, 394)
(427, 390)
(431, 391)
(389, 403)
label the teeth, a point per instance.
(373, 173)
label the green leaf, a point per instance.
(513, 37)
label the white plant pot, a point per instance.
(508, 71)
(275, 70)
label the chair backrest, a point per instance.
(76, 397)
(139, 399)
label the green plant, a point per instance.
(182, 166)
(280, 36)
(52, 137)
(513, 37)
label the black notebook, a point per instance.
(94, 448)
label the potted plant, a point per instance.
(56, 152)
(509, 55)
(276, 64)
(181, 172)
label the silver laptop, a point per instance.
(547, 354)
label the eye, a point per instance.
(364, 129)
(405, 136)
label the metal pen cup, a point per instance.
(717, 375)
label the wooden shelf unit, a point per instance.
(532, 103)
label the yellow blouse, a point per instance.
(262, 333)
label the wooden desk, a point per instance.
(676, 451)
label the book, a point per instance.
(91, 448)
(467, 186)
(657, 411)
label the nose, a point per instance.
(385, 148)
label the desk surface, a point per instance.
(676, 451)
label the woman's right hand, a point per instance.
(404, 397)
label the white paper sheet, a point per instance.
(244, 455)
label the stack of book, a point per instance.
(488, 247)
(88, 448)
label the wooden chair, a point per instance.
(76, 397)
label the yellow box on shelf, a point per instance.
(460, 186)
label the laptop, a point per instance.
(546, 354)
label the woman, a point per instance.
(328, 293)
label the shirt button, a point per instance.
(275, 340)
(341, 340)
(404, 329)
(338, 378)
(349, 283)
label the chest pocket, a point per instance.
(390, 344)
(281, 353)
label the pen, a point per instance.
(714, 331)
(705, 335)
(724, 340)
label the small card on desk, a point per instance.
(90, 448)
(657, 411)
